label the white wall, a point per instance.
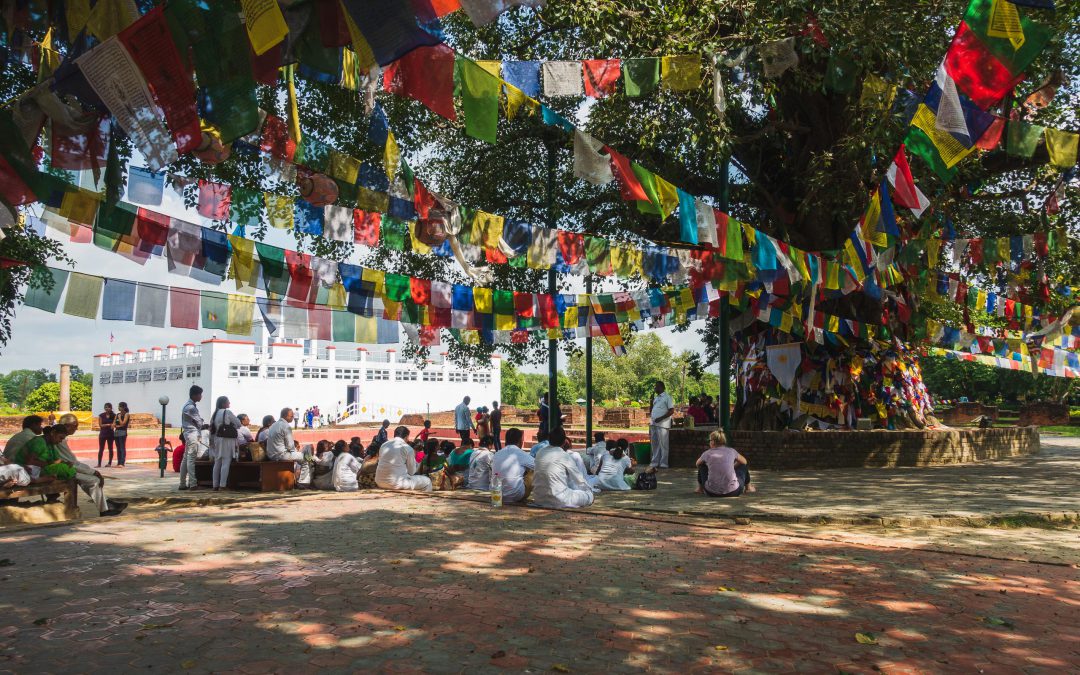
(261, 394)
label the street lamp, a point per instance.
(162, 460)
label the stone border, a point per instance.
(861, 449)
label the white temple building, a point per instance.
(263, 375)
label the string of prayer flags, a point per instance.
(523, 75)
(601, 76)
(425, 74)
(641, 75)
(392, 28)
(45, 288)
(680, 73)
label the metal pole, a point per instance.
(724, 403)
(588, 375)
(553, 345)
(161, 465)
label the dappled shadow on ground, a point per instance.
(389, 582)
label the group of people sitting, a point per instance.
(40, 454)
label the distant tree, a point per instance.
(951, 379)
(47, 397)
(18, 384)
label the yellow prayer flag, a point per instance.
(80, 206)
(50, 58)
(337, 297)
(243, 269)
(1061, 145)
(554, 333)
(391, 310)
(505, 322)
(279, 211)
(493, 68)
(570, 317)
(950, 149)
(1005, 23)
(376, 278)
(933, 252)
(109, 17)
(469, 337)
(417, 245)
(517, 101)
(876, 93)
(680, 73)
(367, 330)
(391, 156)
(343, 167)
(1004, 249)
(669, 196)
(487, 229)
(785, 322)
(77, 13)
(482, 300)
(350, 70)
(832, 324)
(241, 308)
(265, 24)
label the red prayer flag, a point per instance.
(275, 138)
(523, 304)
(152, 227)
(813, 29)
(976, 71)
(366, 227)
(420, 290)
(81, 234)
(299, 265)
(991, 138)
(214, 200)
(571, 246)
(320, 323)
(423, 201)
(975, 250)
(444, 7)
(904, 192)
(519, 337)
(12, 188)
(80, 152)
(429, 336)
(333, 30)
(425, 74)
(265, 67)
(601, 76)
(629, 185)
(1042, 247)
(549, 317)
(495, 256)
(184, 308)
(722, 222)
(150, 43)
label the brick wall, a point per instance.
(852, 449)
(1044, 414)
(964, 413)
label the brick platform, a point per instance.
(965, 413)
(853, 449)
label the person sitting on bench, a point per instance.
(280, 445)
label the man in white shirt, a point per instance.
(660, 426)
(191, 424)
(480, 468)
(31, 426)
(463, 422)
(541, 443)
(560, 481)
(512, 464)
(91, 481)
(397, 465)
(280, 445)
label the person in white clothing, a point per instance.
(13, 475)
(322, 469)
(660, 426)
(91, 481)
(541, 443)
(479, 477)
(560, 482)
(346, 470)
(610, 474)
(245, 430)
(597, 451)
(513, 466)
(224, 436)
(280, 445)
(191, 425)
(397, 465)
(579, 459)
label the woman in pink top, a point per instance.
(722, 470)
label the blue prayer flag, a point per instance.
(118, 300)
(525, 75)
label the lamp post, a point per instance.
(162, 459)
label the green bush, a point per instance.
(46, 398)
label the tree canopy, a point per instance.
(46, 398)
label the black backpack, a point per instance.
(645, 481)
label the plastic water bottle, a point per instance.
(496, 490)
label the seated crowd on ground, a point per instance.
(551, 471)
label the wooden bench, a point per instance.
(268, 476)
(67, 510)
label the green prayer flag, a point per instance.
(214, 307)
(344, 326)
(45, 287)
(113, 222)
(274, 272)
(407, 176)
(840, 74)
(1023, 138)
(598, 255)
(503, 302)
(398, 287)
(246, 207)
(919, 144)
(651, 188)
(83, 295)
(479, 100)
(394, 232)
(641, 75)
(981, 20)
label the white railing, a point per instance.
(368, 411)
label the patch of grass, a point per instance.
(1061, 430)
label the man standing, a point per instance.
(31, 426)
(463, 421)
(89, 480)
(191, 424)
(660, 426)
(544, 413)
(496, 424)
(384, 434)
(280, 445)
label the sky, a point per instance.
(44, 340)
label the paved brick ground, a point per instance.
(374, 581)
